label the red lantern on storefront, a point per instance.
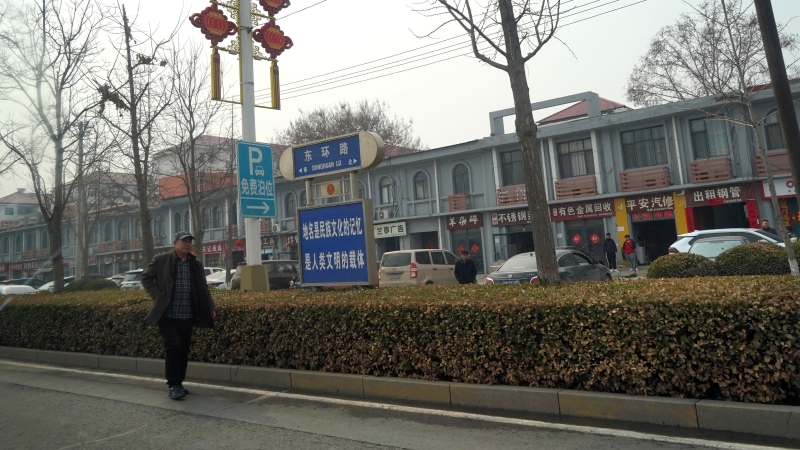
(239, 244)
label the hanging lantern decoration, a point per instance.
(272, 39)
(272, 7)
(214, 24)
(274, 42)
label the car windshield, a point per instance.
(711, 249)
(769, 236)
(518, 263)
(396, 259)
(135, 276)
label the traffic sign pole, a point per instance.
(252, 227)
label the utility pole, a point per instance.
(780, 88)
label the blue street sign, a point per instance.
(334, 243)
(341, 154)
(256, 179)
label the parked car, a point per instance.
(685, 241)
(573, 265)
(15, 289)
(211, 270)
(282, 273)
(132, 280)
(48, 287)
(33, 282)
(417, 267)
(217, 280)
(711, 247)
(117, 278)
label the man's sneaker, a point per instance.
(177, 392)
(185, 391)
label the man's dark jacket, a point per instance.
(610, 246)
(158, 279)
(466, 271)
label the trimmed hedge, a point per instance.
(681, 265)
(88, 284)
(759, 258)
(731, 338)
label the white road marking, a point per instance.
(417, 410)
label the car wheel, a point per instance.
(608, 278)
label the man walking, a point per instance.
(465, 270)
(176, 282)
(610, 248)
(629, 251)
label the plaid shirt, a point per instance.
(181, 305)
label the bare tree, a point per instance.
(342, 118)
(715, 50)
(49, 50)
(501, 38)
(203, 164)
(139, 85)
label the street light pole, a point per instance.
(252, 226)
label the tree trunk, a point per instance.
(531, 161)
(141, 171)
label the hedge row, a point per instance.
(705, 338)
(759, 258)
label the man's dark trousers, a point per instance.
(611, 260)
(177, 335)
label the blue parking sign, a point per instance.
(256, 180)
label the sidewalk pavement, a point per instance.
(728, 416)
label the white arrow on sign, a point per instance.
(265, 207)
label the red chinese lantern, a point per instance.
(272, 39)
(214, 24)
(239, 244)
(272, 7)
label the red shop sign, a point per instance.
(464, 221)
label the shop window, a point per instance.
(772, 128)
(290, 205)
(422, 188)
(709, 138)
(9, 210)
(108, 232)
(461, 180)
(644, 148)
(158, 225)
(216, 217)
(205, 214)
(123, 230)
(575, 158)
(6, 247)
(362, 189)
(385, 189)
(511, 168)
(177, 221)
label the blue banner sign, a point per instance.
(336, 244)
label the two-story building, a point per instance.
(651, 172)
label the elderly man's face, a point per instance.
(183, 246)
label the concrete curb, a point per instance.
(752, 418)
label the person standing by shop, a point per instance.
(176, 282)
(768, 229)
(610, 248)
(465, 270)
(629, 251)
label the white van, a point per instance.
(416, 267)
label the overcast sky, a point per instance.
(449, 94)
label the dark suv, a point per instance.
(281, 272)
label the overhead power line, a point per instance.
(341, 77)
